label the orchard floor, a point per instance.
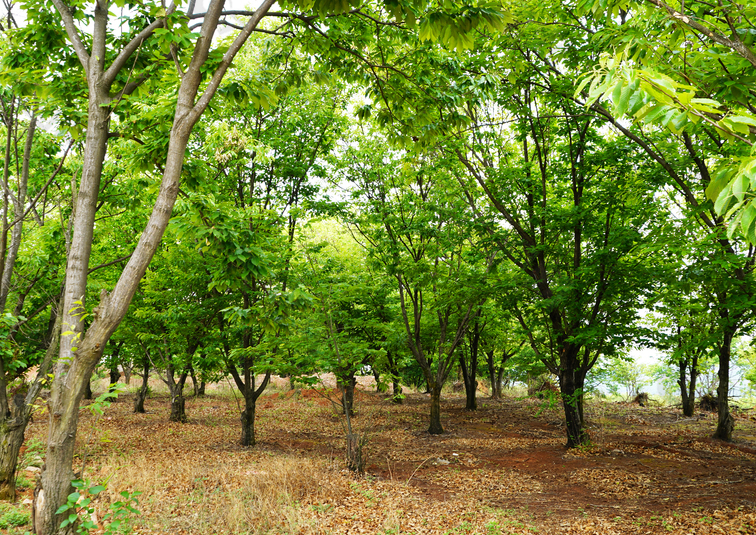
(500, 469)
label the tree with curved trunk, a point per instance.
(25, 161)
(80, 348)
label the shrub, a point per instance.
(14, 517)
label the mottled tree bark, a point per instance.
(141, 394)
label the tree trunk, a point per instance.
(688, 389)
(11, 438)
(201, 389)
(471, 384)
(17, 413)
(499, 378)
(248, 418)
(725, 421)
(246, 385)
(397, 398)
(492, 376)
(142, 393)
(572, 401)
(88, 390)
(435, 427)
(178, 402)
(115, 376)
(195, 386)
(378, 386)
(128, 369)
(348, 393)
(355, 459)
(396, 384)
(178, 409)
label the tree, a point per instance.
(574, 222)
(115, 69)
(104, 62)
(29, 168)
(703, 109)
(411, 227)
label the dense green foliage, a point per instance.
(411, 189)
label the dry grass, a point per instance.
(236, 496)
(500, 471)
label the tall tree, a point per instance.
(682, 103)
(411, 225)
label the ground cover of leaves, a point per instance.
(501, 469)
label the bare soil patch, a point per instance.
(501, 469)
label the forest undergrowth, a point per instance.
(502, 469)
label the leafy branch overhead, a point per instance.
(704, 88)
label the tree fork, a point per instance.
(75, 366)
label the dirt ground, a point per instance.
(500, 469)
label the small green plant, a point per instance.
(22, 482)
(33, 456)
(493, 528)
(35, 446)
(80, 509)
(322, 508)
(464, 527)
(12, 517)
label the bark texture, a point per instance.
(141, 394)
(725, 421)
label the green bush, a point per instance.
(14, 517)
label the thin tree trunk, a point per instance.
(492, 376)
(15, 416)
(688, 388)
(115, 377)
(88, 390)
(19, 206)
(12, 430)
(692, 385)
(128, 369)
(471, 385)
(377, 377)
(348, 393)
(499, 380)
(725, 421)
(397, 398)
(195, 386)
(142, 393)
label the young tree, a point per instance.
(29, 266)
(105, 62)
